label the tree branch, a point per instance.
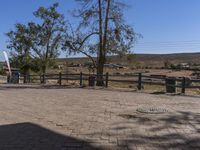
(106, 27)
(87, 37)
(100, 29)
(90, 57)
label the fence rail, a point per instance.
(139, 79)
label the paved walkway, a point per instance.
(73, 119)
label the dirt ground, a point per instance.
(167, 72)
(35, 118)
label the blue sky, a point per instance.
(167, 26)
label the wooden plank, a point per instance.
(195, 81)
(194, 87)
(125, 81)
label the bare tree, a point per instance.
(101, 31)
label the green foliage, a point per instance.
(48, 35)
(2, 72)
(20, 42)
(174, 66)
(35, 46)
(102, 31)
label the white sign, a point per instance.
(7, 61)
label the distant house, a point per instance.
(60, 66)
(116, 66)
(184, 66)
(109, 65)
(180, 66)
(196, 74)
(74, 65)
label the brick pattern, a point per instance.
(69, 119)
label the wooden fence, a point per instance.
(139, 79)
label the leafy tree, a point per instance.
(48, 35)
(101, 31)
(20, 42)
(36, 45)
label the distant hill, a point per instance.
(151, 60)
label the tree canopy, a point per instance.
(20, 40)
(39, 41)
(101, 31)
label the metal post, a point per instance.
(183, 85)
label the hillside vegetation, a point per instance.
(144, 60)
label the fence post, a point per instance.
(60, 78)
(107, 75)
(25, 78)
(29, 78)
(43, 79)
(170, 83)
(183, 85)
(140, 81)
(81, 78)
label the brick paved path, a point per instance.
(72, 119)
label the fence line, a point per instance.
(138, 79)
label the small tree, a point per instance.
(103, 18)
(20, 42)
(48, 35)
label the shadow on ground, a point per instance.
(26, 136)
(173, 131)
(180, 131)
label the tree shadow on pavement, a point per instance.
(28, 136)
(180, 130)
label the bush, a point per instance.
(2, 72)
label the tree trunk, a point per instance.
(100, 63)
(44, 69)
(25, 78)
(26, 73)
(100, 71)
(103, 43)
(46, 58)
